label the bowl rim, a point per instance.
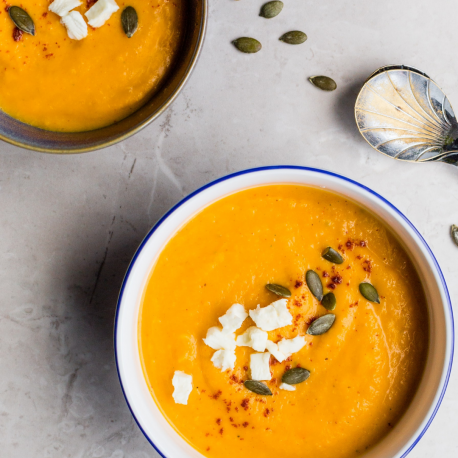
(447, 306)
(166, 104)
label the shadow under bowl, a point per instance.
(33, 138)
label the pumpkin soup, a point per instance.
(85, 68)
(291, 322)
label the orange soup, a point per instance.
(57, 83)
(364, 370)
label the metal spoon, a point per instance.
(401, 112)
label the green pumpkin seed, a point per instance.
(329, 301)
(295, 37)
(454, 233)
(278, 290)
(247, 45)
(369, 292)
(22, 20)
(129, 21)
(332, 255)
(271, 9)
(295, 376)
(321, 325)
(314, 283)
(258, 387)
(323, 82)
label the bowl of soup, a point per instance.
(284, 310)
(67, 93)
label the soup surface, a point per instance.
(59, 84)
(364, 370)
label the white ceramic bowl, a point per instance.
(427, 400)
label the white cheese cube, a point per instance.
(274, 316)
(100, 12)
(233, 318)
(285, 386)
(63, 7)
(260, 366)
(272, 347)
(284, 317)
(183, 386)
(224, 359)
(76, 26)
(290, 346)
(253, 337)
(219, 339)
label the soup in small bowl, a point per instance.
(284, 310)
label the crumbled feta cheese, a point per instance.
(285, 386)
(290, 346)
(183, 386)
(63, 7)
(253, 337)
(260, 366)
(76, 26)
(100, 12)
(274, 316)
(224, 359)
(219, 339)
(272, 347)
(233, 318)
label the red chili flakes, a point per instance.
(236, 409)
(298, 365)
(245, 424)
(355, 304)
(287, 367)
(45, 14)
(363, 244)
(235, 379)
(289, 358)
(297, 303)
(337, 279)
(348, 267)
(297, 317)
(231, 419)
(273, 361)
(17, 34)
(266, 412)
(311, 320)
(350, 244)
(208, 448)
(221, 431)
(48, 56)
(245, 368)
(331, 286)
(218, 421)
(7, 8)
(340, 248)
(217, 394)
(325, 274)
(367, 266)
(358, 257)
(89, 3)
(298, 284)
(245, 403)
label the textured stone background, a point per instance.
(69, 225)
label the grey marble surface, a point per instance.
(70, 224)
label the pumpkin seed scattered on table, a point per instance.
(271, 9)
(129, 21)
(321, 325)
(295, 37)
(454, 233)
(332, 255)
(295, 376)
(369, 292)
(329, 301)
(314, 283)
(278, 290)
(257, 387)
(22, 20)
(323, 82)
(247, 45)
